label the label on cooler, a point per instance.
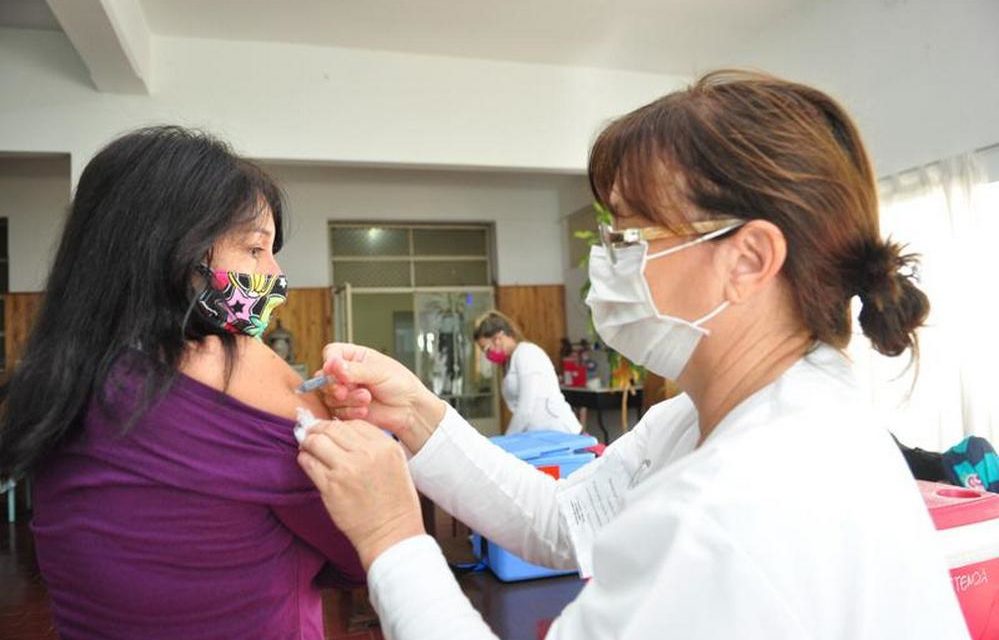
(977, 588)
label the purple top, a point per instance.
(198, 523)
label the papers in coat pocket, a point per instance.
(589, 505)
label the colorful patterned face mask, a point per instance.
(241, 302)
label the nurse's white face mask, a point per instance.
(624, 313)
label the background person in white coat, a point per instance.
(745, 222)
(530, 384)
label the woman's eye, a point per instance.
(256, 251)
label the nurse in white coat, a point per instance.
(745, 222)
(530, 385)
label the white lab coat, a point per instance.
(531, 392)
(797, 518)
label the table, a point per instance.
(600, 399)
(519, 610)
(513, 610)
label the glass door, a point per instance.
(343, 325)
(417, 289)
(429, 331)
(383, 321)
(446, 358)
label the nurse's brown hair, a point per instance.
(748, 145)
(492, 322)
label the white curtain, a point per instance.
(949, 214)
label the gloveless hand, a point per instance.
(381, 390)
(365, 484)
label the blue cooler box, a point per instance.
(553, 452)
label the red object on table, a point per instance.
(573, 373)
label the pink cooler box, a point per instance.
(967, 522)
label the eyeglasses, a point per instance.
(613, 239)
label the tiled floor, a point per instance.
(24, 604)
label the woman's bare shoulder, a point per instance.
(259, 377)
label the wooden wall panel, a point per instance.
(19, 318)
(539, 311)
(308, 315)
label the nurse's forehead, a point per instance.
(672, 208)
(622, 213)
(625, 218)
(625, 221)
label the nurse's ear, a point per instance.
(751, 258)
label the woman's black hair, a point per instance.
(147, 210)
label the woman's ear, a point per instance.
(752, 257)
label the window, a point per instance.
(369, 255)
(947, 214)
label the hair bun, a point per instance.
(893, 306)
(874, 275)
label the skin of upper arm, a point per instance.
(260, 378)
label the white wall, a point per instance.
(524, 207)
(920, 76)
(325, 105)
(34, 196)
(990, 159)
(296, 102)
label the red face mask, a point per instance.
(496, 356)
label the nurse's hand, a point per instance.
(376, 388)
(365, 484)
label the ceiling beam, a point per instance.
(113, 39)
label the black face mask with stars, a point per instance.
(241, 302)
